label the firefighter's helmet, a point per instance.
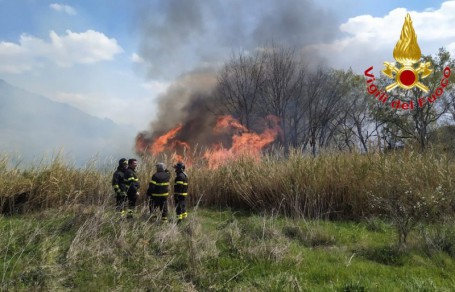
(179, 166)
(122, 162)
(160, 166)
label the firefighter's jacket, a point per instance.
(118, 181)
(131, 181)
(181, 184)
(159, 184)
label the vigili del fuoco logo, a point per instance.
(407, 74)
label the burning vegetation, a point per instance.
(194, 125)
(226, 140)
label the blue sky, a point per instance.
(108, 56)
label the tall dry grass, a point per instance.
(51, 184)
(331, 185)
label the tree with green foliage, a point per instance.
(419, 123)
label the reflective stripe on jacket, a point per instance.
(118, 181)
(131, 181)
(159, 184)
(181, 184)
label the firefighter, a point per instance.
(180, 191)
(132, 183)
(158, 191)
(118, 183)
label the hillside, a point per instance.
(32, 126)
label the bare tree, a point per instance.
(358, 125)
(239, 86)
(327, 107)
(324, 105)
(282, 85)
(297, 112)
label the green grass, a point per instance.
(216, 250)
(259, 227)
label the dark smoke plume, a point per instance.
(193, 38)
(195, 33)
(186, 102)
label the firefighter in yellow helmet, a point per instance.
(180, 191)
(158, 190)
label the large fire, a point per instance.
(160, 144)
(240, 142)
(244, 143)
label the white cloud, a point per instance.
(156, 87)
(370, 40)
(88, 47)
(135, 58)
(65, 51)
(14, 58)
(63, 8)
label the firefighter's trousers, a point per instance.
(159, 202)
(180, 206)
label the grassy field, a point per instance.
(93, 249)
(337, 222)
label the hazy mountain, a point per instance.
(34, 126)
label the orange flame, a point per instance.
(244, 142)
(227, 122)
(164, 143)
(217, 155)
(160, 144)
(179, 158)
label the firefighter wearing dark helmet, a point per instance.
(119, 185)
(132, 183)
(158, 190)
(180, 190)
